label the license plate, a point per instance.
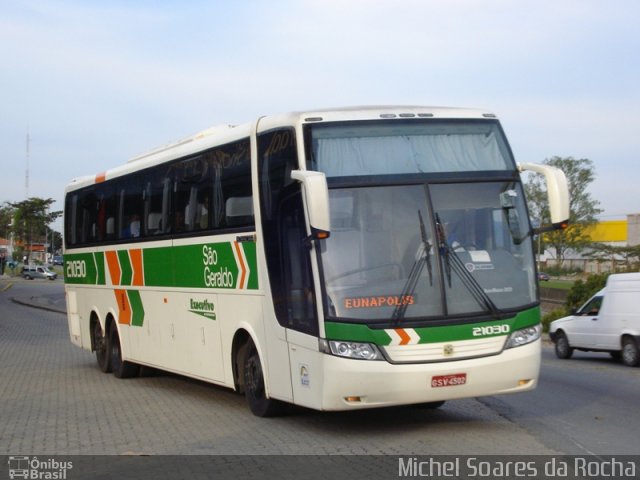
(452, 380)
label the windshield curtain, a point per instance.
(409, 252)
(399, 147)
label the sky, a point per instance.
(94, 83)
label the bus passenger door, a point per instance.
(299, 303)
(288, 264)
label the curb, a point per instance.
(32, 304)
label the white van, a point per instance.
(608, 322)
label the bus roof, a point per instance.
(219, 135)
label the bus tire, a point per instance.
(101, 345)
(563, 349)
(120, 368)
(254, 387)
(630, 353)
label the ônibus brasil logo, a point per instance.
(27, 467)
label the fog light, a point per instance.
(352, 399)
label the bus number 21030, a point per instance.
(491, 330)
(76, 269)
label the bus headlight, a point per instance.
(356, 350)
(524, 336)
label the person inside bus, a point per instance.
(134, 226)
(203, 213)
(178, 221)
(133, 229)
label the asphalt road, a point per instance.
(584, 405)
(56, 401)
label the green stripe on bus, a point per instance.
(355, 333)
(137, 308)
(126, 272)
(250, 254)
(158, 267)
(210, 265)
(80, 268)
(446, 333)
(99, 263)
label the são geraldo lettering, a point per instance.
(215, 278)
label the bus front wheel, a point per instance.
(120, 368)
(254, 386)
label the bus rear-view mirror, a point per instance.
(557, 193)
(316, 195)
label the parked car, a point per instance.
(608, 322)
(58, 260)
(543, 277)
(38, 271)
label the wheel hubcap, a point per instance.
(254, 378)
(629, 353)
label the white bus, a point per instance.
(336, 259)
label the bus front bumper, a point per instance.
(355, 384)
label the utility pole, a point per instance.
(26, 176)
(26, 187)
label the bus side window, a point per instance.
(131, 206)
(111, 228)
(156, 192)
(190, 179)
(239, 210)
(229, 188)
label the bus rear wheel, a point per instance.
(254, 386)
(120, 368)
(101, 344)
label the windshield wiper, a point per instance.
(453, 262)
(422, 257)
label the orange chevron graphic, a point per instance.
(114, 267)
(405, 338)
(136, 263)
(124, 307)
(243, 267)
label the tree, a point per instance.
(582, 291)
(6, 220)
(582, 208)
(56, 241)
(603, 252)
(31, 218)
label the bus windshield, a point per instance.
(398, 147)
(391, 256)
(429, 245)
